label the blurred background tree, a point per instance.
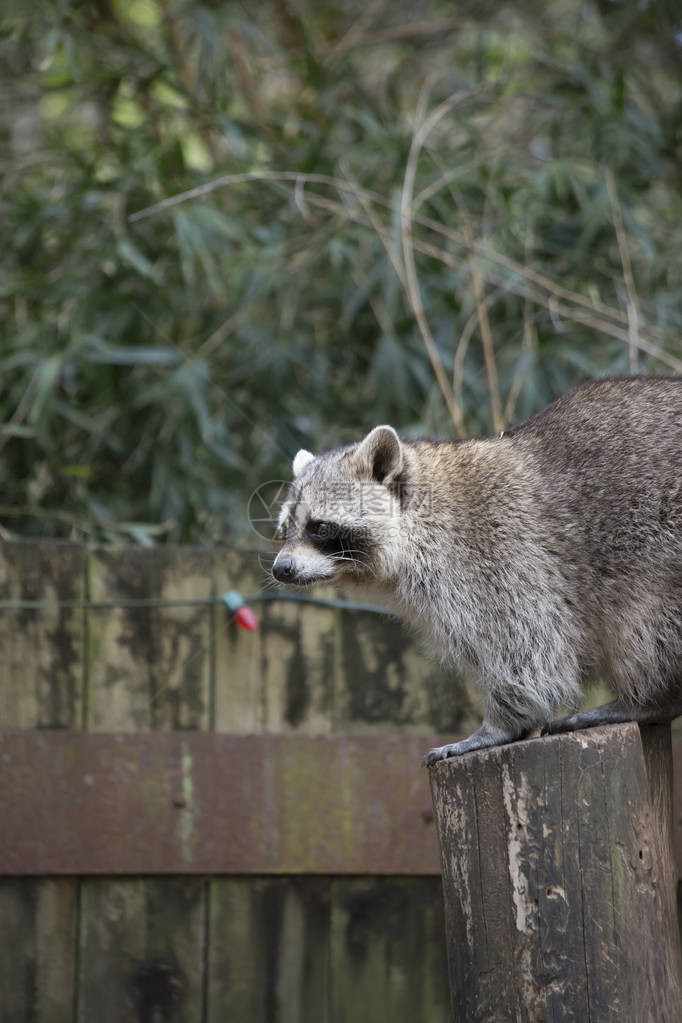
(232, 230)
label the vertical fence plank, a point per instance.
(41, 672)
(111, 948)
(142, 950)
(41, 686)
(298, 649)
(239, 659)
(180, 672)
(385, 682)
(120, 641)
(388, 951)
(149, 667)
(269, 953)
(176, 932)
(280, 678)
(37, 965)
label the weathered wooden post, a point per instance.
(558, 879)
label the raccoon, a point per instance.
(540, 559)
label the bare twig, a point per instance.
(356, 34)
(446, 178)
(464, 339)
(519, 287)
(534, 281)
(381, 232)
(628, 277)
(378, 307)
(551, 303)
(411, 280)
(486, 337)
(492, 376)
(22, 409)
(245, 77)
(220, 334)
(528, 341)
(397, 32)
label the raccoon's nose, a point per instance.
(283, 569)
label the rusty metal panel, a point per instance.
(197, 802)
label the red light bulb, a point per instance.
(246, 618)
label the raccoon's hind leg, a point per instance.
(487, 735)
(614, 713)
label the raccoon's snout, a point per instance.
(284, 569)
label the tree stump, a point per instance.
(559, 881)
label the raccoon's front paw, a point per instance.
(456, 749)
(451, 749)
(486, 736)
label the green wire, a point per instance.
(97, 605)
(298, 598)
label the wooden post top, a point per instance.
(558, 878)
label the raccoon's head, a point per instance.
(341, 517)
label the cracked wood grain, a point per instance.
(558, 879)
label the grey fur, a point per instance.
(542, 558)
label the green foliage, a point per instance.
(156, 368)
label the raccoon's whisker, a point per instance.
(345, 556)
(354, 561)
(268, 580)
(350, 550)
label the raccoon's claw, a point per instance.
(486, 736)
(440, 753)
(455, 749)
(555, 727)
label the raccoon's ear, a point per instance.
(381, 454)
(302, 459)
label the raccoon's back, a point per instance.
(607, 467)
(607, 413)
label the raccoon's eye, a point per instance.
(318, 530)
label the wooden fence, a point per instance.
(105, 653)
(176, 870)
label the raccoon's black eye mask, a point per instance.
(322, 532)
(329, 537)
